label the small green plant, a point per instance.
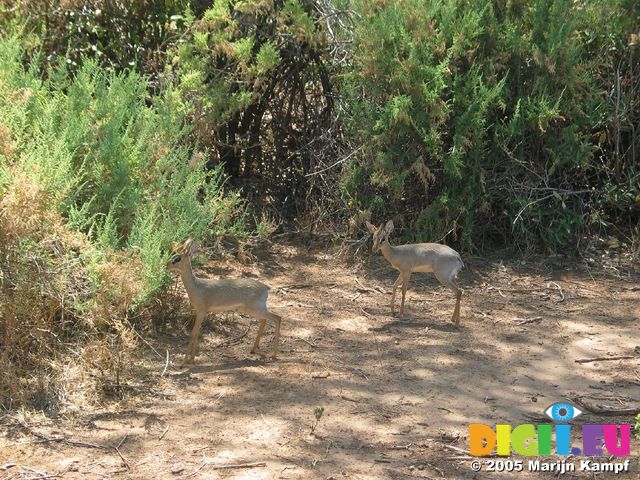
(317, 413)
(265, 226)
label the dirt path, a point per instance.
(398, 395)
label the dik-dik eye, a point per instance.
(175, 260)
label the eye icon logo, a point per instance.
(562, 412)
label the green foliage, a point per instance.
(116, 168)
(478, 118)
(118, 35)
(256, 73)
(96, 182)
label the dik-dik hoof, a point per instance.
(188, 360)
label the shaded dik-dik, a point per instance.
(443, 261)
(219, 295)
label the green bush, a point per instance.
(259, 76)
(484, 120)
(117, 35)
(95, 184)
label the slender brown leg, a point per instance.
(393, 295)
(449, 283)
(263, 323)
(405, 284)
(276, 341)
(456, 312)
(193, 340)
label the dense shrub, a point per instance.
(117, 34)
(482, 119)
(94, 186)
(260, 77)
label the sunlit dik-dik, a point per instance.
(219, 295)
(443, 261)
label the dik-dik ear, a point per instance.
(187, 248)
(389, 227)
(371, 227)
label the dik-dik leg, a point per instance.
(448, 282)
(277, 320)
(393, 295)
(256, 344)
(193, 340)
(405, 285)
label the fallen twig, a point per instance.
(529, 320)
(559, 291)
(344, 397)
(309, 343)
(79, 444)
(604, 359)
(195, 472)
(239, 465)
(294, 286)
(536, 417)
(123, 440)
(233, 341)
(523, 290)
(146, 343)
(117, 449)
(166, 365)
(166, 429)
(124, 460)
(360, 372)
(456, 449)
(41, 475)
(362, 288)
(435, 468)
(400, 447)
(604, 409)
(46, 438)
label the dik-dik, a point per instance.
(219, 295)
(442, 260)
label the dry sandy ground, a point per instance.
(398, 394)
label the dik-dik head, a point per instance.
(181, 254)
(380, 234)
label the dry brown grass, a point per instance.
(65, 338)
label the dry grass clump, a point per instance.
(63, 308)
(7, 145)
